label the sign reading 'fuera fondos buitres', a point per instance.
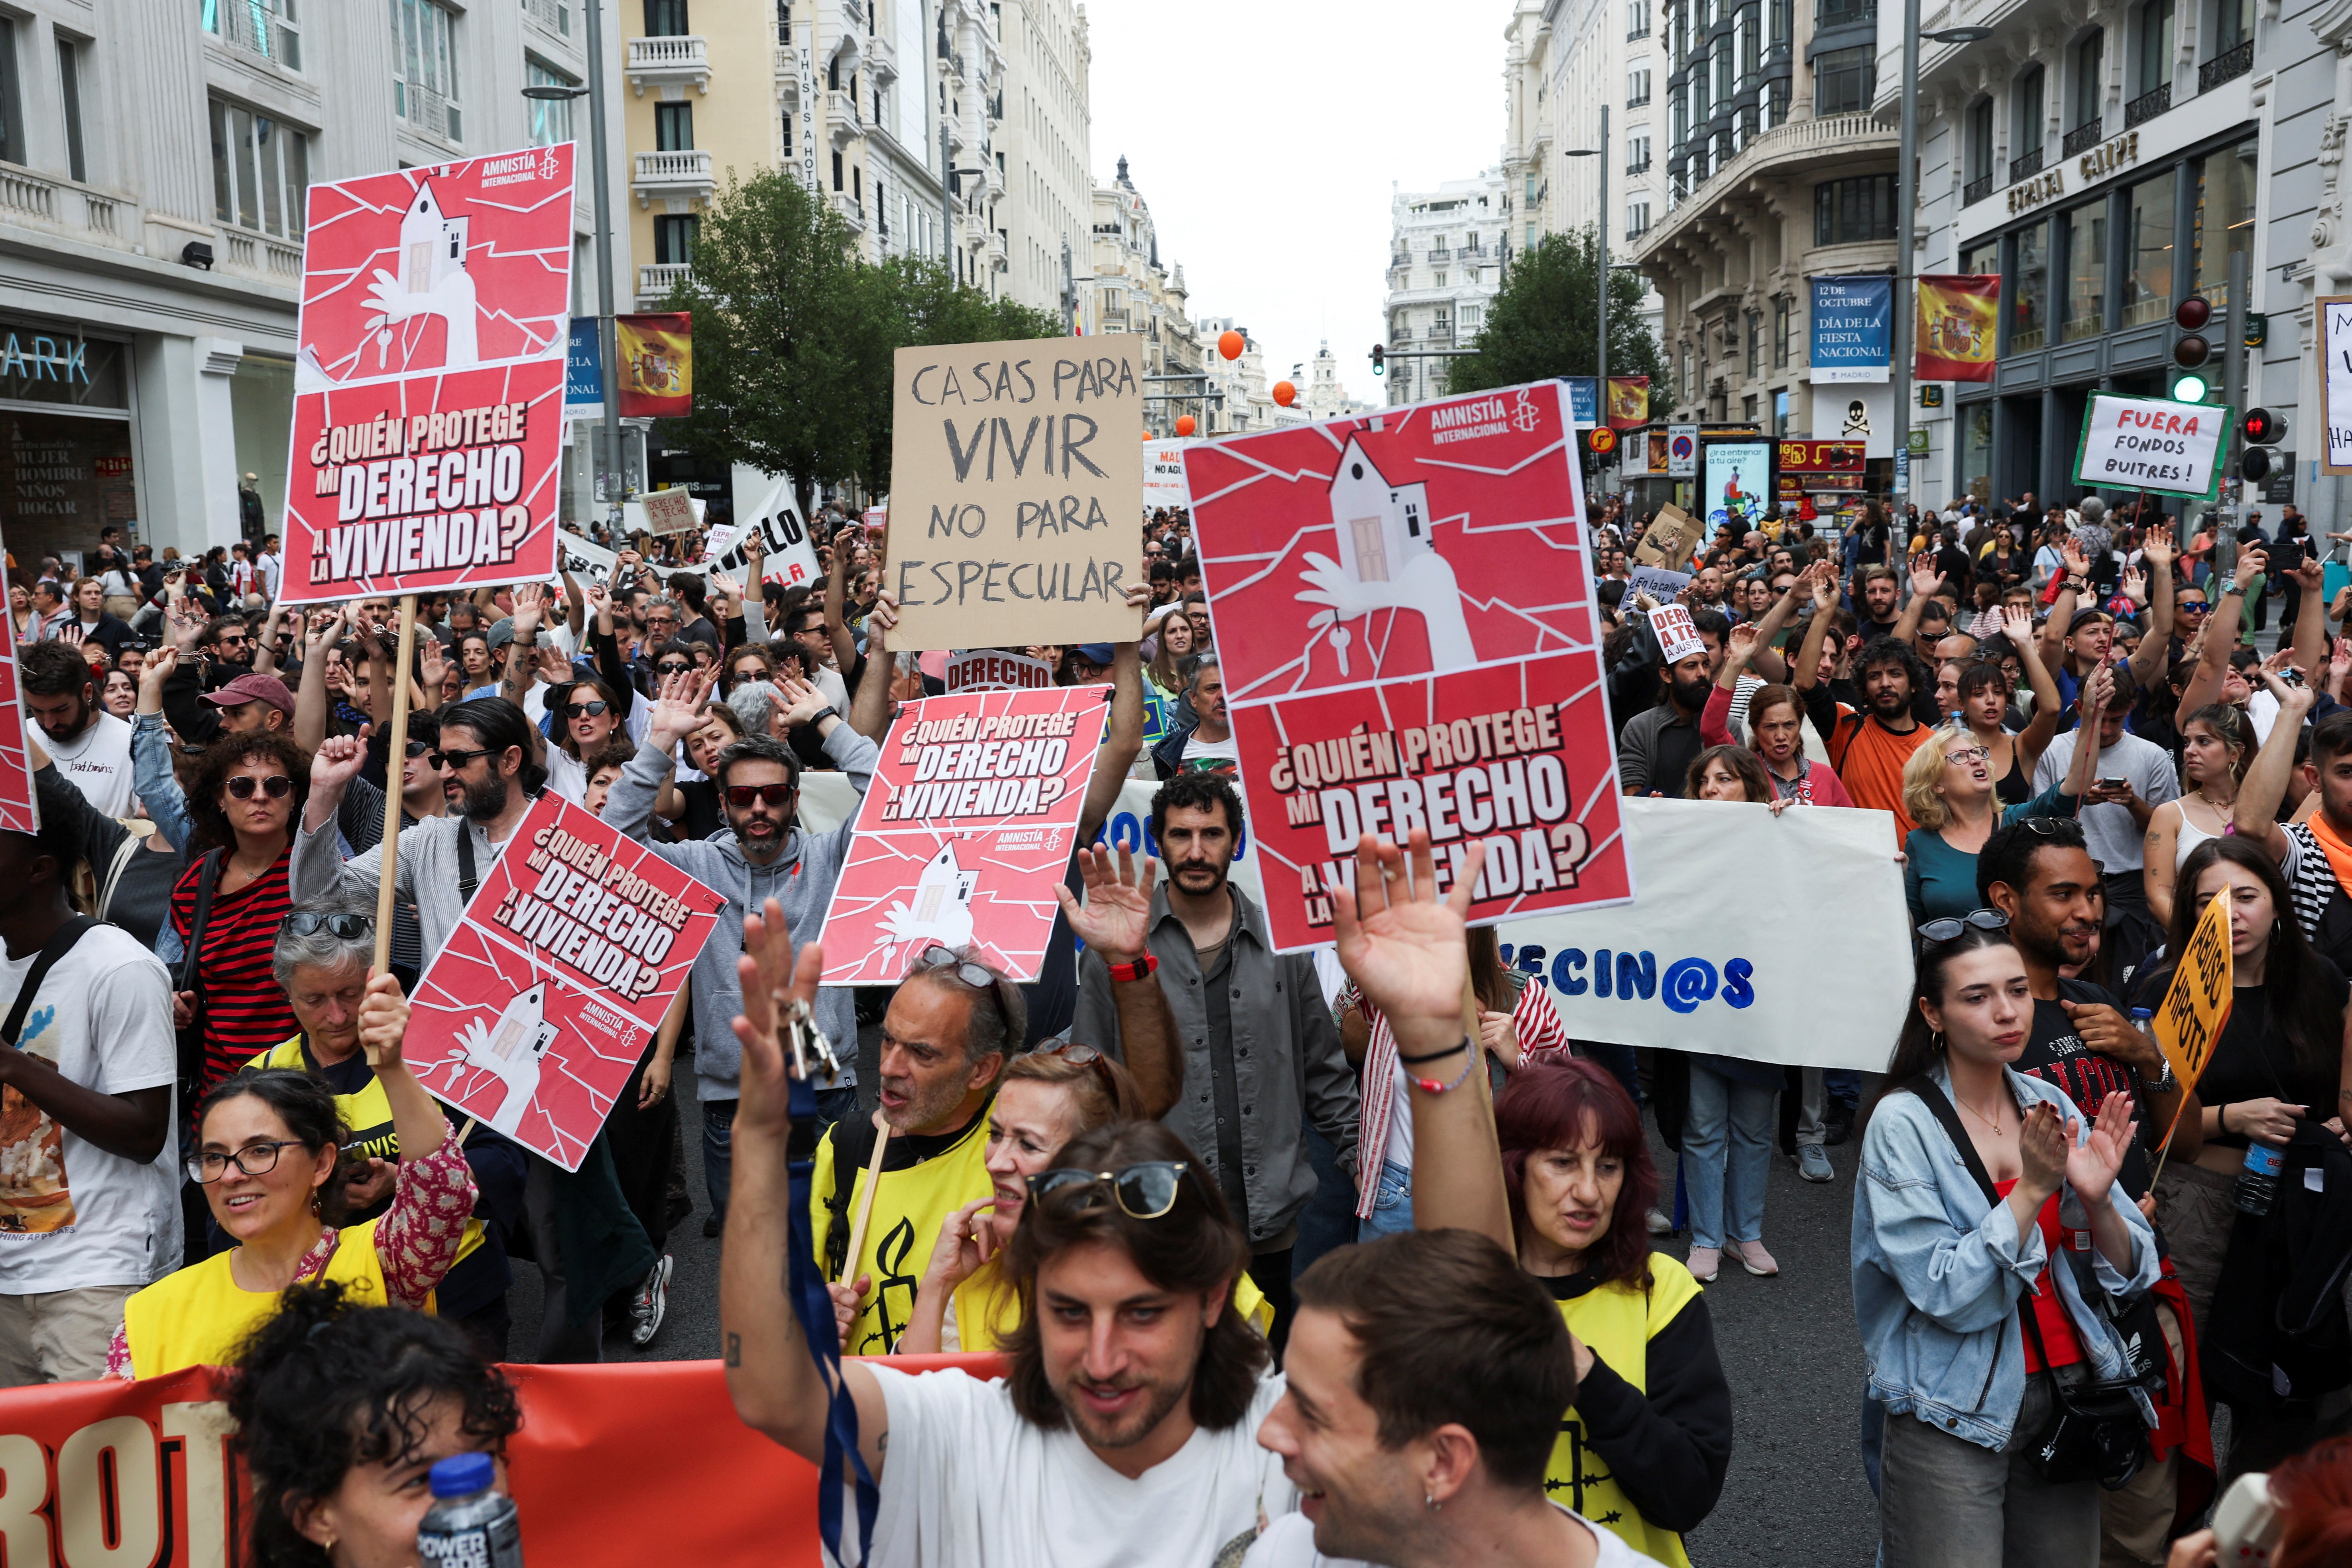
(1016, 489)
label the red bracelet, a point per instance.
(1431, 1084)
(1123, 973)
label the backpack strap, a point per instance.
(852, 1149)
(61, 941)
(208, 872)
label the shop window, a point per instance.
(2147, 251)
(1981, 258)
(425, 69)
(2225, 217)
(261, 167)
(2028, 291)
(2087, 272)
(270, 28)
(1976, 449)
(1856, 211)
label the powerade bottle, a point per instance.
(470, 1525)
(2258, 1179)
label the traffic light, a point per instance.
(1603, 440)
(2190, 382)
(2260, 430)
(1380, 359)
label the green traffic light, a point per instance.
(2190, 389)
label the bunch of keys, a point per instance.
(802, 1038)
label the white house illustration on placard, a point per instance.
(1382, 527)
(432, 244)
(1389, 560)
(941, 908)
(510, 1050)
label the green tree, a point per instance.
(796, 336)
(1545, 322)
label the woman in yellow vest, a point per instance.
(1048, 1097)
(269, 1155)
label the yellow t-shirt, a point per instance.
(1618, 1321)
(199, 1316)
(909, 1206)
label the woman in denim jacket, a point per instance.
(1940, 1277)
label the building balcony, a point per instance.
(672, 174)
(852, 210)
(77, 212)
(656, 278)
(1438, 255)
(1401, 258)
(788, 73)
(674, 62)
(2082, 139)
(2030, 163)
(842, 119)
(2227, 66)
(260, 256)
(882, 59)
(2147, 106)
(999, 252)
(1976, 190)
(1798, 153)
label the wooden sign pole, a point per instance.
(395, 759)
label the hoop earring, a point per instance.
(1935, 1041)
(1429, 1500)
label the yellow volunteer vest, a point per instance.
(987, 1309)
(1617, 1321)
(198, 1317)
(909, 1206)
(368, 1114)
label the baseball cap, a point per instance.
(248, 688)
(1094, 652)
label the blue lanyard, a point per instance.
(804, 1286)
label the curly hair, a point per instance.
(224, 757)
(324, 1384)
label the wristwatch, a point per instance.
(2164, 1081)
(820, 716)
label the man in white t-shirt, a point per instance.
(1417, 1449)
(269, 566)
(88, 1192)
(92, 747)
(1124, 1429)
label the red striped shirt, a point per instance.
(244, 1010)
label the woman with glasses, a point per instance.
(269, 1156)
(1947, 788)
(241, 808)
(1975, 1300)
(2214, 756)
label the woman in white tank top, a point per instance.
(2213, 757)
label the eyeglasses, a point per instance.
(584, 710)
(351, 928)
(1967, 756)
(2191, 606)
(452, 758)
(1071, 1052)
(1947, 929)
(208, 1166)
(740, 796)
(1145, 1191)
(277, 786)
(671, 667)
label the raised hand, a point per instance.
(1407, 951)
(2310, 573)
(2252, 564)
(2157, 548)
(2092, 1165)
(1925, 578)
(2017, 625)
(801, 701)
(1823, 577)
(529, 602)
(1116, 919)
(678, 708)
(433, 665)
(185, 622)
(2042, 1151)
(771, 974)
(966, 1241)
(2077, 564)
(883, 618)
(338, 761)
(1743, 646)
(153, 674)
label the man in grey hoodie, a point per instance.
(759, 856)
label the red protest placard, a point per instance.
(535, 1013)
(20, 809)
(965, 832)
(428, 384)
(1403, 606)
(996, 669)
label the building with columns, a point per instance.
(1130, 290)
(1445, 266)
(154, 160)
(1243, 401)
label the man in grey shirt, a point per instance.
(1261, 1053)
(2115, 819)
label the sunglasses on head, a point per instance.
(740, 796)
(277, 786)
(1947, 929)
(1145, 1191)
(584, 710)
(351, 928)
(970, 973)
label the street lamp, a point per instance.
(1601, 379)
(1906, 225)
(608, 349)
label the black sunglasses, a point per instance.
(743, 795)
(1145, 1191)
(349, 927)
(277, 786)
(583, 710)
(672, 666)
(454, 758)
(1948, 930)
(416, 749)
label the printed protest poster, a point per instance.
(1676, 632)
(965, 832)
(1655, 580)
(429, 380)
(20, 810)
(1738, 481)
(789, 557)
(1163, 474)
(670, 511)
(2152, 444)
(2335, 383)
(2197, 1005)
(534, 1015)
(996, 669)
(1404, 607)
(1016, 481)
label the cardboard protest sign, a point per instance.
(1668, 541)
(1678, 633)
(2151, 444)
(671, 511)
(2197, 1005)
(789, 556)
(996, 669)
(536, 1012)
(1655, 580)
(1016, 478)
(20, 807)
(429, 381)
(1682, 963)
(1404, 608)
(1163, 474)
(965, 832)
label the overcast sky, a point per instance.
(1265, 135)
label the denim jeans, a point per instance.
(1731, 1117)
(718, 1140)
(1391, 1205)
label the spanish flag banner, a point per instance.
(1629, 402)
(656, 369)
(1958, 314)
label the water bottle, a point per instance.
(2258, 1179)
(470, 1525)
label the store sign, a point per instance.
(2027, 194)
(42, 364)
(1820, 457)
(2109, 156)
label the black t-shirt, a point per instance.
(2254, 1060)
(2055, 1054)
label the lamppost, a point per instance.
(1906, 225)
(606, 334)
(1600, 382)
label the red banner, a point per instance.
(1404, 606)
(1629, 402)
(20, 809)
(656, 364)
(965, 832)
(642, 1462)
(429, 388)
(1957, 317)
(535, 1013)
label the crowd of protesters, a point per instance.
(1283, 1267)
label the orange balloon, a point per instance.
(1230, 345)
(1285, 393)
(1184, 426)
(1147, 434)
